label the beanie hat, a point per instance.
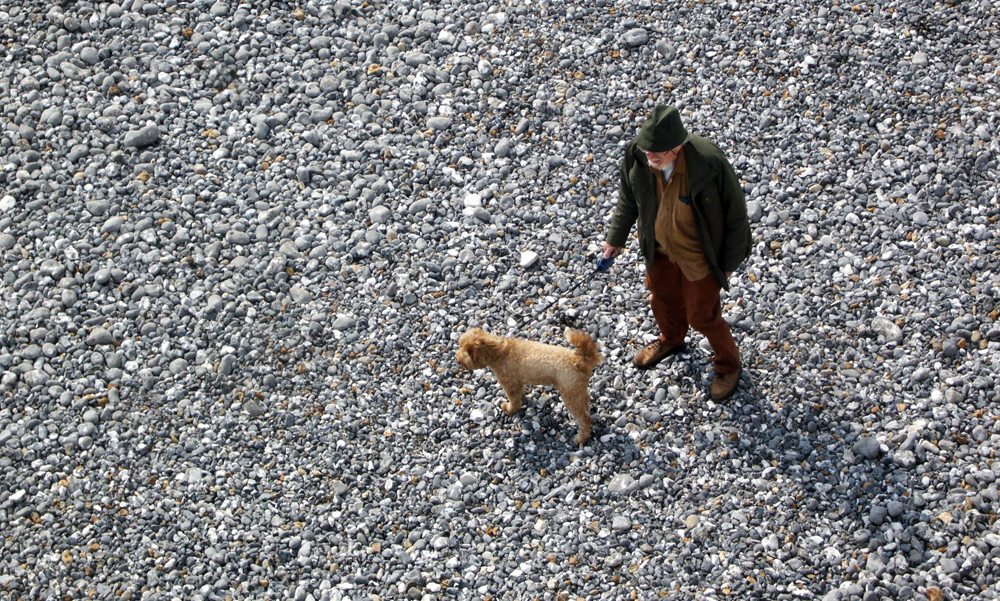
(662, 131)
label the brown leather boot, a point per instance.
(654, 353)
(724, 385)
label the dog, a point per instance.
(518, 363)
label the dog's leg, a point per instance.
(576, 403)
(514, 390)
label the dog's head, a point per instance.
(475, 348)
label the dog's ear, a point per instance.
(476, 350)
(487, 349)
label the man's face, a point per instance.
(661, 160)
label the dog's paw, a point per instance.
(499, 412)
(580, 439)
(507, 408)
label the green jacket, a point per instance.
(717, 201)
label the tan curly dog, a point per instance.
(518, 363)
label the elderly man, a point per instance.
(693, 233)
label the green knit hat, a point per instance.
(662, 131)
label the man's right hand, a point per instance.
(611, 251)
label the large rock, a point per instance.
(891, 331)
(621, 483)
(528, 259)
(439, 123)
(300, 295)
(380, 214)
(419, 206)
(867, 447)
(99, 336)
(635, 37)
(141, 138)
(344, 322)
(502, 148)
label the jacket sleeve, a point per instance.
(626, 211)
(736, 244)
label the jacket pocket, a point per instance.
(710, 204)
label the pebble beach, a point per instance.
(239, 243)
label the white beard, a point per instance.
(667, 171)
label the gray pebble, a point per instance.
(439, 123)
(253, 408)
(948, 565)
(219, 9)
(141, 138)
(99, 336)
(88, 54)
(502, 148)
(227, 364)
(344, 322)
(877, 515)
(867, 447)
(382, 214)
(528, 259)
(300, 295)
(98, 207)
(635, 37)
(621, 483)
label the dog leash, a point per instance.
(603, 265)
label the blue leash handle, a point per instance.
(605, 263)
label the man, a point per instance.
(693, 233)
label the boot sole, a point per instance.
(677, 349)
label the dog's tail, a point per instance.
(586, 349)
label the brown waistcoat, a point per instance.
(676, 229)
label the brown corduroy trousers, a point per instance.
(678, 302)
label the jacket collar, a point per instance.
(640, 156)
(700, 171)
